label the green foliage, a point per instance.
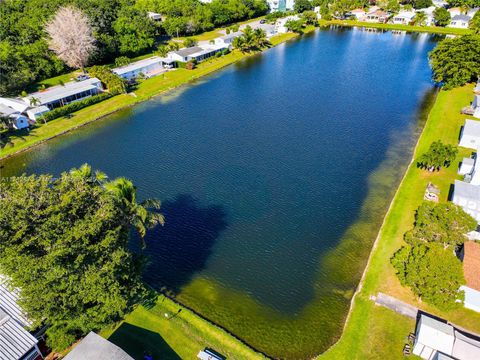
(455, 61)
(251, 40)
(475, 23)
(295, 26)
(114, 83)
(438, 155)
(445, 224)
(420, 18)
(422, 4)
(310, 18)
(464, 3)
(75, 106)
(441, 16)
(122, 61)
(434, 274)
(325, 13)
(189, 42)
(302, 5)
(274, 16)
(135, 32)
(64, 243)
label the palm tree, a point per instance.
(260, 38)
(420, 18)
(140, 215)
(85, 172)
(34, 101)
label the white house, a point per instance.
(454, 11)
(470, 134)
(155, 16)
(227, 40)
(280, 24)
(460, 21)
(16, 343)
(61, 95)
(377, 16)
(17, 119)
(197, 53)
(439, 340)
(467, 196)
(472, 12)
(95, 347)
(359, 14)
(148, 67)
(403, 17)
(16, 104)
(36, 112)
(471, 271)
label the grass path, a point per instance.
(377, 333)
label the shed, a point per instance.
(433, 336)
(470, 134)
(95, 347)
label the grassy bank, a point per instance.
(377, 333)
(24, 140)
(169, 331)
(411, 28)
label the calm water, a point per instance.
(274, 175)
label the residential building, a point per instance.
(16, 104)
(359, 14)
(36, 112)
(60, 95)
(472, 12)
(377, 16)
(467, 196)
(16, 343)
(18, 121)
(438, 340)
(403, 17)
(470, 134)
(455, 11)
(460, 21)
(277, 5)
(146, 67)
(471, 270)
(95, 347)
(268, 28)
(197, 53)
(227, 40)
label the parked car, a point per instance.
(262, 21)
(82, 77)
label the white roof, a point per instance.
(95, 347)
(7, 110)
(477, 87)
(58, 92)
(9, 302)
(16, 104)
(471, 128)
(231, 35)
(435, 335)
(137, 65)
(406, 14)
(15, 341)
(38, 110)
(467, 196)
(465, 347)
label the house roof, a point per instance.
(16, 104)
(435, 334)
(95, 347)
(9, 302)
(137, 65)
(7, 110)
(461, 17)
(58, 92)
(468, 197)
(471, 128)
(15, 341)
(358, 11)
(465, 347)
(188, 51)
(471, 264)
(231, 35)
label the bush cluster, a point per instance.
(111, 81)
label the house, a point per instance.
(60, 95)
(195, 53)
(460, 21)
(404, 17)
(16, 343)
(454, 11)
(37, 112)
(276, 5)
(227, 40)
(439, 340)
(377, 16)
(268, 28)
(280, 24)
(470, 134)
(18, 121)
(148, 67)
(467, 196)
(16, 104)
(155, 16)
(472, 12)
(95, 347)
(358, 14)
(471, 271)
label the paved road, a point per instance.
(396, 305)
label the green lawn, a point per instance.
(23, 140)
(376, 333)
(429, 29)
(181, 335)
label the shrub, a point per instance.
(111, 81)
(122, 61)
(189, 42)
(75, 106)
(190, 65)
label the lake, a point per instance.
(274, 174)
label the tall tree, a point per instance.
(475, 23)
(64, 244)
(438, 155)
(441, 16)
(70, 37)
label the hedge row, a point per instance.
(75, 106)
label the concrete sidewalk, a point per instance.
(396, 305)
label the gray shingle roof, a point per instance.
(95, 347)
(188, 51)
(461, 17)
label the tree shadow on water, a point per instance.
(178, 250)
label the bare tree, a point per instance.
(71, 37)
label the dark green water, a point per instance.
(274, 174)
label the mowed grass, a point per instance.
(373, 332)
(169, 331)
(411, 28)
(23, 140)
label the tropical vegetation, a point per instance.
(251, 40)
(438, 155)
(64, 243)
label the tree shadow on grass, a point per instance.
(136, 341)
(181, 248)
